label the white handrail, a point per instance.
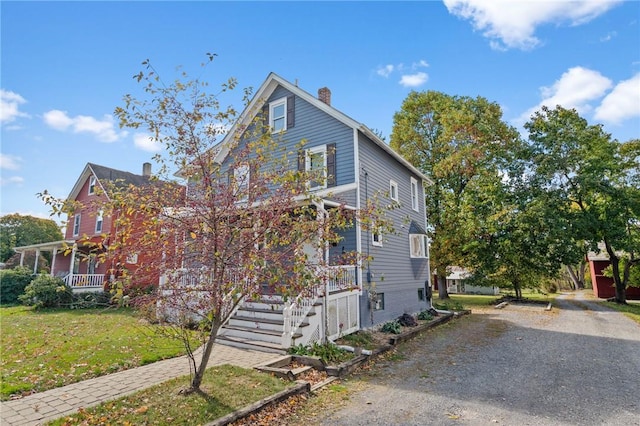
(339, 278)
(84, 280)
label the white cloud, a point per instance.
(407, 80)
(576, 88)
(414, 80)
(13, 180)
(512, 24)
(146, 142)
(9, 162)
(622, 103)
(385, 70)
(103, 129)
(57, 119)
(9, 106)
(420, 64)
(609, 36)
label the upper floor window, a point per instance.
(241, 175)
(278, 115)
(418, 245)
(92, 185)
(320, 163)
(281, 113)
(393, 190)
(76, 225)
(316, 165)
(414, 195)
(99, 221)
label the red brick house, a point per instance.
(76, 258)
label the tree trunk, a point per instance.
(442, 287)
(581, 273)
(517, 289)
(208, 348)
(620, 285)
(577, 276)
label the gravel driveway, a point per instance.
(578, 364)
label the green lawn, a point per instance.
(631, 309)
(470, 301)
(225, 389)
(44, 349)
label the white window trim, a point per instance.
(379, 302)
(242, 176)
(76, 224)
(376, 232)
(92, 185)
(393, 189)
(272, 106)
(415, 200)
(132, 258)
(99, 221)
(307, 164)
(423, 246)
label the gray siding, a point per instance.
(393, 272)
(318, 128)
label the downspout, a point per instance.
(356, 174)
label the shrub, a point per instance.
(392, 327)
(47, 292)
(12, 283)
(329, 353)
(425, 316)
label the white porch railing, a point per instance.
(339, 279)
(85, 281)
(187, 289)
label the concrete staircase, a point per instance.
(259, 325)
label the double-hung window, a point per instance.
(76, 225)
(241, 175)
(92, 185)
(316, 165)
(393, 190)
(414, 195)
(319, 162)
(99, 221)
(278, 115)
(418, 245)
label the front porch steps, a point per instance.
(257, 325)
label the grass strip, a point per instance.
(225, 389)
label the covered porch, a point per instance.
(66, 263)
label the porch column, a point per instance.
(73, 259)
(35, 264)
(22, 258)
(53, 261)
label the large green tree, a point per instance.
(525, 236)
(594, 178)
(463, 144)
(22, 230)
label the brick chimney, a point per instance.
(324, 95)
(146, 169)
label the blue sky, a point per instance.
(66, 66)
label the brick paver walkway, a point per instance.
(41, 407)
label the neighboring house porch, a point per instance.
(72, 261)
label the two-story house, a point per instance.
(357, 165)
(88, 231)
